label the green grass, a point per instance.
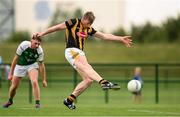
(94, 110)
(92, 103)
(105, 52)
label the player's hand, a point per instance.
(38, 34)
(10, 77)
(127, 41)
(44, 83)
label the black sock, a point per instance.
(103, 81)
(71, 98)
(10, 100)
(37, 101)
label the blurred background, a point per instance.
(153, 24)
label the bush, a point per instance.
(19, 36)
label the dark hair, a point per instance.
(90, 16)
(36, 38)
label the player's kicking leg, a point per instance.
(80, 63)
(83, 66)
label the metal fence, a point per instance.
(161, 80)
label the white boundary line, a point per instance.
(157, 112)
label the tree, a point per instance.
(60, 16)
(78, 13)
(172, 29)
(120, 31)
(19, 36)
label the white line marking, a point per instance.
(149, 111)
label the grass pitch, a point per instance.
(93, 110)
(90, 103)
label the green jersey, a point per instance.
(27, 55)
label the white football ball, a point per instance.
(134, 86)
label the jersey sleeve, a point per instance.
(91, 31)
(70, 23)
(41, 54)
(21, 47)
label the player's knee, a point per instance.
(34, 83)
(89, 81)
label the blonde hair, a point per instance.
(34, 37)
(137, 70)
(90, 16)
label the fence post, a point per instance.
(157, 83)
(30, 92)
(106, 96)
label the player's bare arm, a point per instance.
(43, 73)
(57, 27)
(15, 59)
(126, 40)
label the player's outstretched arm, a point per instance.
(55, 28)
(126, 40)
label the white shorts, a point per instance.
(72, 54)
(21, 71)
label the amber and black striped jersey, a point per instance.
(74, 27)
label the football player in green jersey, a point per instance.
(27, 60)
